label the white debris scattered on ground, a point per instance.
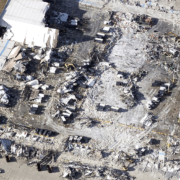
(128, 53)
(101, 106)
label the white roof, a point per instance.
(116, 108)
(74, 21)
(25, 19)
(5, 48)
(106, 22)
(63, 118)
(41, 95)
(155, 98)
(106, 28)
(52, 69)
(26, 11)
(35, 105)
(162, 88)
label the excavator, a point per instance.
(177, 37)
(125, 168)
(127, 158)
(69, 66)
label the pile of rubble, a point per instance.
(75, 169)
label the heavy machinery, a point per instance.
(125, 168)
(69, 66)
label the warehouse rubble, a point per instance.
(89, 89)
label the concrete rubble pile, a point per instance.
(4, 97)
(14, 147)
(74, 142)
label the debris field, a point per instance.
(98, 97)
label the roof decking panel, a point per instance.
(5, 47)
(26, 11)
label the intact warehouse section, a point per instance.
(30, 16)
(89, 89)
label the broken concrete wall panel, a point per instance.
(19, 57)
(2, 62)
(8, 67)
(14, 52)
(34, 94)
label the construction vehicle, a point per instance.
(68, 65)
(130, 159)
(168, 145)
(170, 33)
(125, 168)
(177, 37)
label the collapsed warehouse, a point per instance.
(96, 96)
